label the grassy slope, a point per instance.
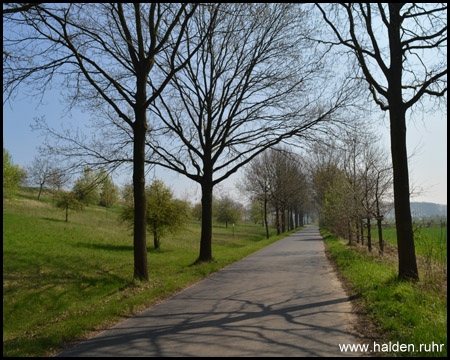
(62, 281)
(405, 312)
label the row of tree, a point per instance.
(277, 180)
(221, 82)
(91, 188)
(352, 180)
(401, 51)
(224, 210)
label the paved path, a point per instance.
(283, 300)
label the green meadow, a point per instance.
(430, 242)
(63, 281)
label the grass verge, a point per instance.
(403, 312)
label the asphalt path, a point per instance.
(284, 300)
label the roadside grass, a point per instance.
(64, 281)
(403, 311)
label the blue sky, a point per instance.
(428, 167)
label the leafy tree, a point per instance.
(68, 200)
(337, 207)
(109, 193)
(108, 196)
(127, 193)
(228, 211)
(12, 175)
(257, 212)
(86, 188)
(165, 214)
(197, 211)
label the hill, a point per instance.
(426, 209)
(420, 210)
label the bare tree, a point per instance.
(287, 185)
(382, 192)
(57, 178)
(400, 73)
(39, 173)
(257, 181)
(11, 8)
(253, 84)
(104, 55)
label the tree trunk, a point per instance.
(357, 231)
(407, 265)
(301, 215)
(265, 218)
(289, 219)
(40, 191)
(350, 232)
(277, 219)
(380, 234)
(206, 236)
(362, 231)
(140, 246)
(369, 235)
(156, 242)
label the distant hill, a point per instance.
(424, 209)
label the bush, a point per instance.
(12, 175)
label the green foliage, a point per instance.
(86, 187)
(164, 213)
(228, 211)
(127, 193)
(257, 212)
(196, 211)
(96, 188)
(109, 193)
(12, 175)
(336, 204)
(68, 200)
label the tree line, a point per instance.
(277, 180)
(353, 182)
